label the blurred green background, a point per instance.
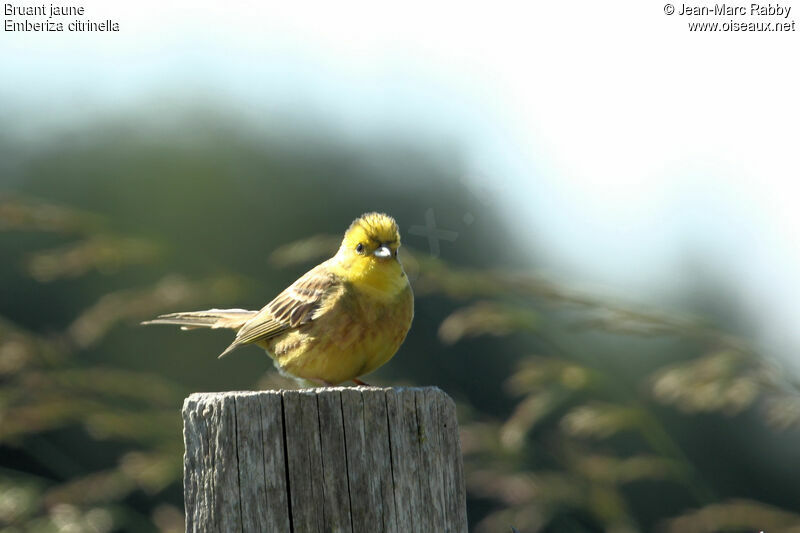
(578, 411)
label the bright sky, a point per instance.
(625, 140)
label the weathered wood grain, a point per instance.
(452, 467)
(369, 464)
(277, 494)
(305, 461)
(323, 460)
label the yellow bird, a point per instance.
(341, 320)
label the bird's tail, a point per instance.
(212, 318)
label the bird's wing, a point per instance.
(292, 308)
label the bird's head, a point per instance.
(372, 238)
(367, 257)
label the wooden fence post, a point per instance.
(360, 459)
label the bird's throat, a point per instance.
(381, 279)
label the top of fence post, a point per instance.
(359, 459)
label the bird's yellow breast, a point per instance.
(355, 336)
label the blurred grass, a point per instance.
(578, 412)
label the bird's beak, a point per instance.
(383, 252)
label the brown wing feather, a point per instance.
(292, 308)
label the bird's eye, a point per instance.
(360, 248)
